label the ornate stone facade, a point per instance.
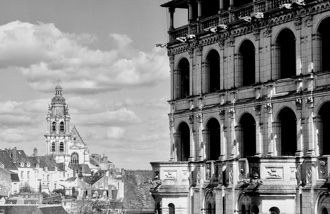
(261, 140)
(66, 145)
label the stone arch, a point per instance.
(171, 208)
(278, 108)
(211, 72)
(213, 139)
(322, 203)
(74, 158)
(209, 202)
(285, 54)
(322, 35)
(182, 141)
(246, 63)
(322, 123)
(246, 135)
(244, 203)
(182, 78)
(286, 132)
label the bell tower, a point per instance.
(58, 130)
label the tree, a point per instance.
(26, 189)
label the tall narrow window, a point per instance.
(54, 126)
(246, 68)
(74, 158)
(212, 72)
(183, 150)
(183, 79)
(62, 126)
(213, 140)
(323, 127)
(247, 136)
(171, 208)
(53, 147)
(324, 38)
(286, 43)
(61, 147)
(288, 132)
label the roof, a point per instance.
(61, 166)
(71, 179)
(93, 161)
(47, 161)
(176, 4)
(33, 161)
(53, 210)
(6, 160)
(78, 139)
(14, 177)
(22, 158)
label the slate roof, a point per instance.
(33, 161)
(61, 166)
(6, 160)
(93, 161)
(14, 177)
(47, 161)
(22, 158)
(53, 210)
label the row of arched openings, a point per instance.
(61, 126)
(285, 129)
(61, 147)
(285, 62)
(74, 158)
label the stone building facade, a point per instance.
(250, 101)
(64, 144)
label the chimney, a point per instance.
(35, 152)
(14, 155)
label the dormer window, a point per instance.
(37, 165)
(21, 164)
(27, 164)
(46, 168)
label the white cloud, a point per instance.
(114, 132)
(43, 53)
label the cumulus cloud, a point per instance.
(119, 117)
(43, 53)
(114, 132)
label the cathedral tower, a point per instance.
(58, 121)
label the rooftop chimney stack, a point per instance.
(14, 155)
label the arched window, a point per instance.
(74, 158)
(171, 208)
(212, 72)
(213, 140)
(246, 70)
(62, 126)
(53, 147)
(183, 79)
(323, 124)
(183, 136)
(286, 51)
(274, 210)
(324, 41)
(61, 147)
(243, 209)
(247, 135)
(324, 210)
(287, 132)
(54, 126)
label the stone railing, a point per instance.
(228, 16)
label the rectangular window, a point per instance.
(22, 175)
(28, 175)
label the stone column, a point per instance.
(206, 145)
(172, 146)
(317, 135)
(316, 55)
(205, 77)
(191, 70)
(201, 140)
(259, 136)
(177, 147)
(223, 142)
(199, 9)
(176, 83)
(192, 139)
(231, 3)
(171, 57)
(239, 144)
(190, 11)
(221, 5)
(300, 136)
(171, 10)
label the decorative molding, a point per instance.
(298, 102)
(297, 23)
(256, 35)
(310, 102)
(191, 119)
(231, 113)
(199, 117)
(257, 109)
(268, 107)
(268, 32)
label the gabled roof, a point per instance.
(21, 158)
(78, 140)
(47, 161)
(6, 160)
(33, 161)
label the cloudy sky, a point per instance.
(115, 81)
